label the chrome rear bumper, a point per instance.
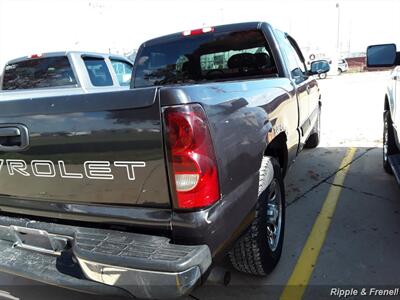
(103, 261)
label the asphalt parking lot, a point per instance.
(343, 214)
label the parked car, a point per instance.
(140, 192)
(343, 66)
(64, 73)
(383, 56)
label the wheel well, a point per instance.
(387, 107)
(277, 148)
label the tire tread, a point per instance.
(247, 255)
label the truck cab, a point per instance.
(64, 73)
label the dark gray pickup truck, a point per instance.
(140, 192)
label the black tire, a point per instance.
(315, 135)
(339, 71)
(389, 143)
(322, 76)
(256, 252)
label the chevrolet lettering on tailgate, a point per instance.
(91, 169)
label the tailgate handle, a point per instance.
(13, 137)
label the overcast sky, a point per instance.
(36, 26)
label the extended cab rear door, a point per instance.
(302, 82)
(312, 90)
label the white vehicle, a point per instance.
(382, 56)
(64, 73)
(342, 66)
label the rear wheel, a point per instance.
(322, 76)
(258, 251)
(389, 143)
(314, 138)
(339, 71)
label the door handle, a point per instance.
(13, 137)
(308, 89)
(9, 132)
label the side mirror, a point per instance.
(319, 67)
(381, 55)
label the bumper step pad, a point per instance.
(138, 251)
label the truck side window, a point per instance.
(98, 71)
(296, 67)
(123, 70)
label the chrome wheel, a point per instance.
(274, 214)
(389, 144)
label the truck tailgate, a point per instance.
(102, 148)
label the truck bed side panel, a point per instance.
(241, 114)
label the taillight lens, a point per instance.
(192, 164)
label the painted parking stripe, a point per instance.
(301, 274)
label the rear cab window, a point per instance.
(37, 73)
(98, 71)
(213, 56)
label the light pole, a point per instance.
(338, 29)
(349, 45)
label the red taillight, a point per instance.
(198, 31)
(192, 164)
(35, 56)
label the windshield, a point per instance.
(38, 73)
(205, 57)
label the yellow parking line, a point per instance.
(300, 277)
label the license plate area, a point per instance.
(39, 240)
